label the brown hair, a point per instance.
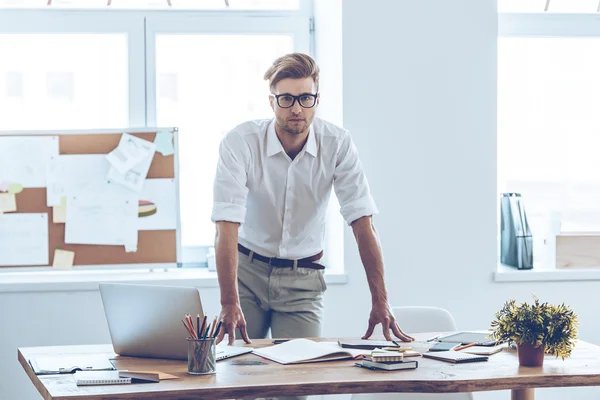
(295, 66)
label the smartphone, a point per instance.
(443, 346)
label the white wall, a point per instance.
(420, 98)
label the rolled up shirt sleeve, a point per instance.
(351, 185)
(230, 190)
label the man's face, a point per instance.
(296, 119)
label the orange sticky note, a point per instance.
(63, 259)
(59, 213)
(8, 202)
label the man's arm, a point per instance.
(226, 257)
(372, 259)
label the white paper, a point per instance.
(130, 152)
(134, 177)
(162, 194)
(23, 159)
(24, 239)
(106, 217)
(71, 174)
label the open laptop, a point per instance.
(145, 320)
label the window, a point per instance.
(551, 6)
(67, 81)
(97, 65)
(548, 124)
(155, 4)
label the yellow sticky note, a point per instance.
(63, 259)
(8, 202)
(59, 213)
(15, 188)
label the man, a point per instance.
(271, 190)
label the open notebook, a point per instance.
(298, 351)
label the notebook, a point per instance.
(366, 344)
(455, 356)
(386, 356)
(469, 337)
(91, 378)
(298, 351)
(387, 366)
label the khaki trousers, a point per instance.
(286, 301)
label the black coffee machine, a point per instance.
(516, 243)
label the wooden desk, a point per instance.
(501, 372)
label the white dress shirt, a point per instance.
(281, 203)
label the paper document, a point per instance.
(71, 174)
(24, 239)
(164, 143)
(107, 217)
(8, 202)
(68, 364)
(303, 351)
(133, 178)
(23, 159)
(130, 152)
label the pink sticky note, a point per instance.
(3, 186)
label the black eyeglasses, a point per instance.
(306, 100)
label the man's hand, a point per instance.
(382, 314)
(232, 318)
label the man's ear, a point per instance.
(272, 102)
(318, 98)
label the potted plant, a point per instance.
(537, 329)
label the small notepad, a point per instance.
(91, 378)
(381, 355)
(455, 356)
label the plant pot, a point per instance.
(530, 356)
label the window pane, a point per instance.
(63, 81)
(143, 4)
(558, 6)
(573, 6)
(528, 6)
(206, 85)
(549, 129)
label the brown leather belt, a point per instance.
(308, 262)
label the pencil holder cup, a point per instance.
(202, 356)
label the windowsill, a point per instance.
(508, 274)
(66, 281)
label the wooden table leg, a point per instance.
(522, 394)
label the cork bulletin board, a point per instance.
(160, 246)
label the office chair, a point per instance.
(415, 320)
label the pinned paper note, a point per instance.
(24, 239)
(8, 202)
(130, 152)
(134, 177)
(59, 213)
(15, 188)
(164, 143)
(63, 259)
(3, 186)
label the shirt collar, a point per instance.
(274, 146)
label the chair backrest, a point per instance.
(424, 319)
